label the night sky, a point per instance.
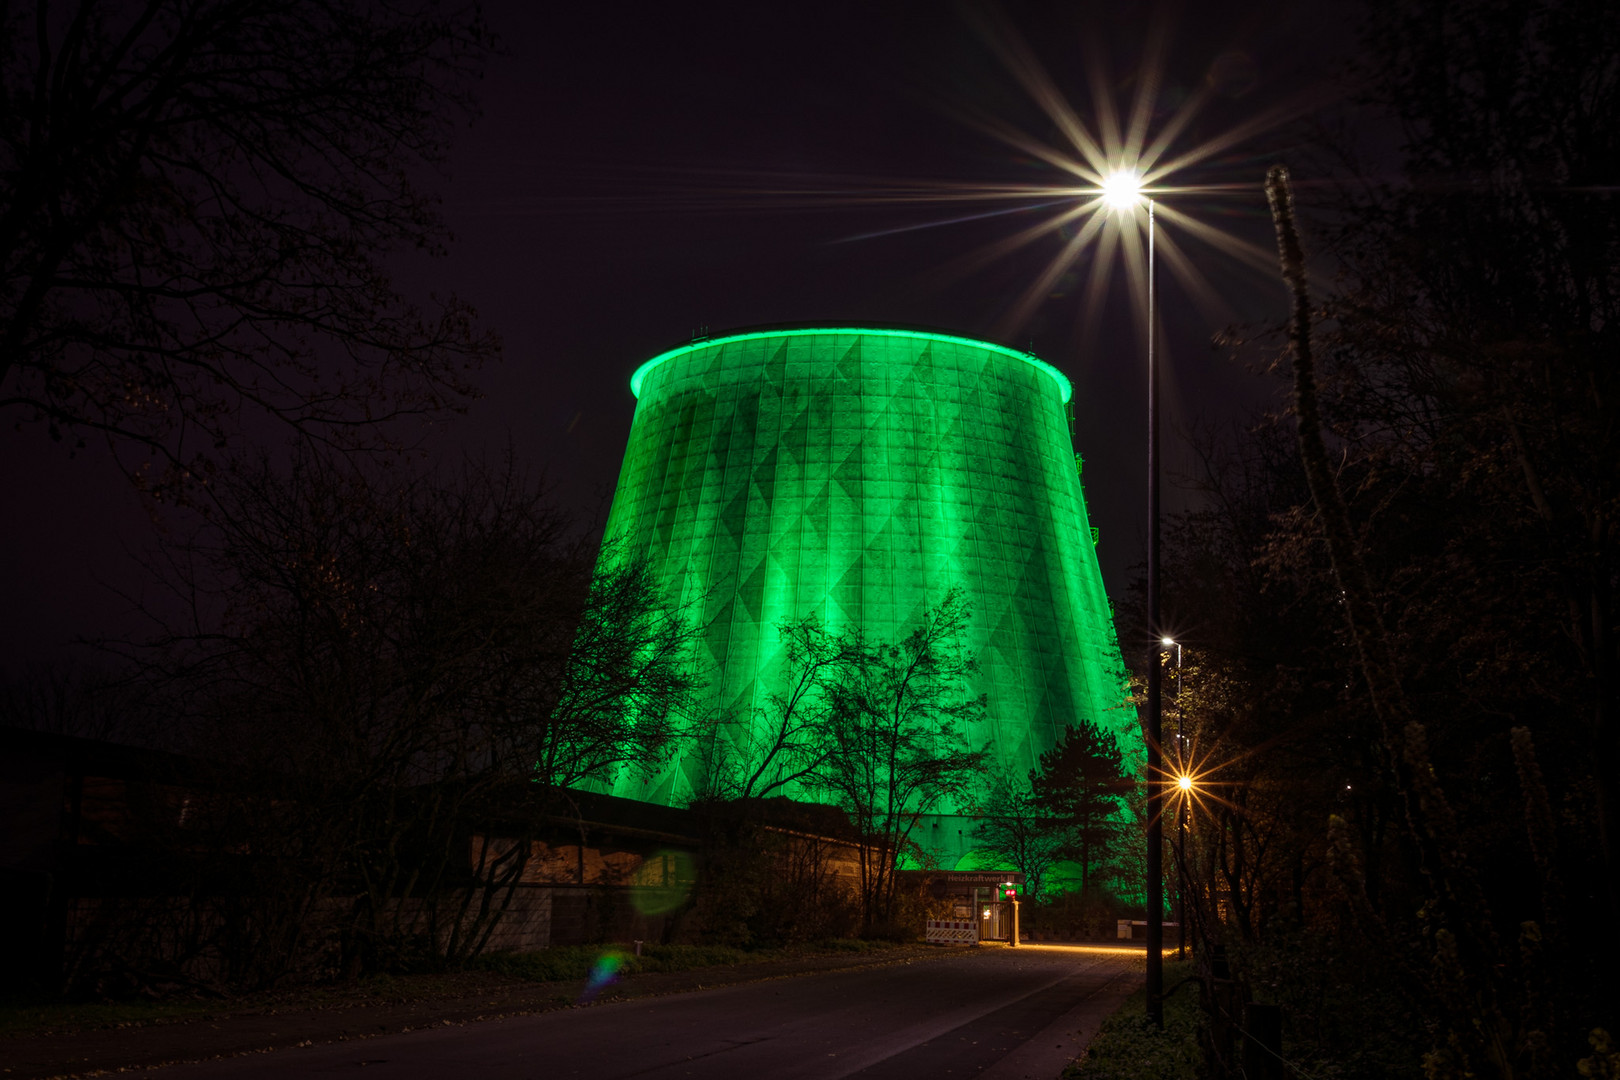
(628, 184)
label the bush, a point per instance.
(768, 887)
(914, 905)
(1333, 992)
(1127, 1047)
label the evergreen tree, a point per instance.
(1077, 786)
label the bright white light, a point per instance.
(1184, 783)
(1167, 641)
(1122, 189)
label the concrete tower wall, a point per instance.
(858, 475)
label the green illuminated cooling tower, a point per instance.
(858, 475)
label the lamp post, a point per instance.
(1172, 643)
(1123, 190)
(1185, 783)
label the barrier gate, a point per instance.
(988, 920)
(952, 932)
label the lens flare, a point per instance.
(663, 882)
(1193, 778)
(604, 973)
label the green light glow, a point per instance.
(1064, 386)
(857, 475)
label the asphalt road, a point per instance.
(996, 1013)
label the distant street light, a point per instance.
(1184, 782)
(1172, 643)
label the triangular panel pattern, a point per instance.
(858, 477)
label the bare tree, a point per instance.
(1016, 828)
(788, 740)
(897, 716)
(71, 699)
(410, 671)
(197, 199)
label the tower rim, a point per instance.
(1065, 388)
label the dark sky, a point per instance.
(608, 203)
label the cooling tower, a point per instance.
(857, 475)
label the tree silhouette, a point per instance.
(1078, 786)
(398, 674)
(896, 716)
(197, 200)
(789, 739)
(1015, 827)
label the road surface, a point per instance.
(998, 1014)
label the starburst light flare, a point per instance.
(1192, 778)
(1122, 189)
(1103, 167)
(1123, 158)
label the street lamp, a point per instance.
(1122, 190)
(1185, 783)
(1126, 171)
(1172, 643)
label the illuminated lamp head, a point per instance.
(1122, 190)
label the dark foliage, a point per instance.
(396, 676)
(1400, 599)
(773, 872)
(197, 202)
(1015, 829)
(877, 727)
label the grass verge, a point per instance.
(1127, 1047)
(568, 962)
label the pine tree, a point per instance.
(1078, 785)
